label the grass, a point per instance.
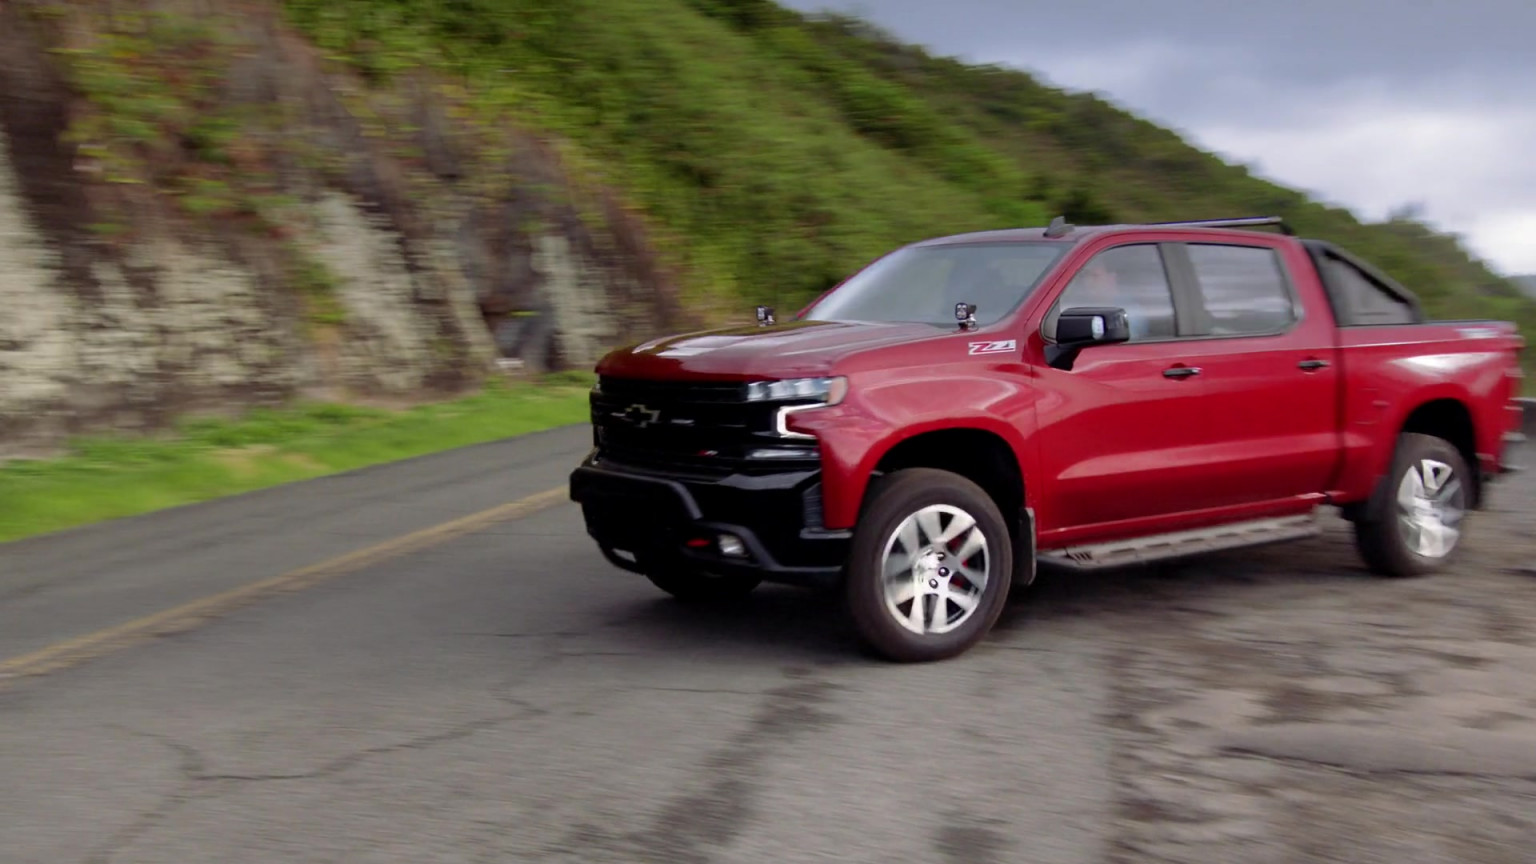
(112, 477)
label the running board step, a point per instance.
(1159, 547)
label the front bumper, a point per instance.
(642, 519)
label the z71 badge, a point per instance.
(992, 347)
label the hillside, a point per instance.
(786, 149)
(1527, 284)
(230, 202)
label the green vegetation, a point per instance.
(153, 115)
(785, 150)
(767, 185)
(766, 153)
(770, 153)
(318, 287)
(107, 478)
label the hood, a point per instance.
(791, 349)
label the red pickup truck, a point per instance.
(924, 434)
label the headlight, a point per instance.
(828, 391)
(811, 392)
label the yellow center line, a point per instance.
(189, 616)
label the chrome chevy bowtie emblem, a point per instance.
(640, 415)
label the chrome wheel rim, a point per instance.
(1430, 506)
(934, 570)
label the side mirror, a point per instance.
(1082, 326)
(1093, 325)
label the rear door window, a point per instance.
(1243, 289)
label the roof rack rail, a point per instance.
(1241, 222)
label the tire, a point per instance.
(1396, 534)
(901, 513)
(694, 586)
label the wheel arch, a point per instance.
(1443, 414)
(986, 458)
(1449, 418)
(980, 455)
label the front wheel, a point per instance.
(929, 567)
(1415, 526)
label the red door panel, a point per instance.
(1125, 450)
(1117, 439)
(1270, 404)
(1268, 427)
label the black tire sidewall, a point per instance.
(892, 499)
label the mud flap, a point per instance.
(1024, 561)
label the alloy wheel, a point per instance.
(934, 569)
(1431, 503)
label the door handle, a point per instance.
(1181, 372)
(1312, 365)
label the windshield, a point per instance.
(922, 284)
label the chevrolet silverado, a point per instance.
(924, 434)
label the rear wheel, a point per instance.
(1415, 526)
(694, 586)
(929, 568)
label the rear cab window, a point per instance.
(1359, 300)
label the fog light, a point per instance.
(732, 547)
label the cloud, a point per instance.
(1298, 40)
(1451, 143)
(1467, 167)
(1370, 104)
(1507, 236)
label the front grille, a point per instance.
(712, 392)
(703, 427)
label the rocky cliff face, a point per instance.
(274, 229)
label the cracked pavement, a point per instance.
(509, 696)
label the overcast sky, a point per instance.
(1367, 104)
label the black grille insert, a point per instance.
(704, 427)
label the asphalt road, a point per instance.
(506, 695)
